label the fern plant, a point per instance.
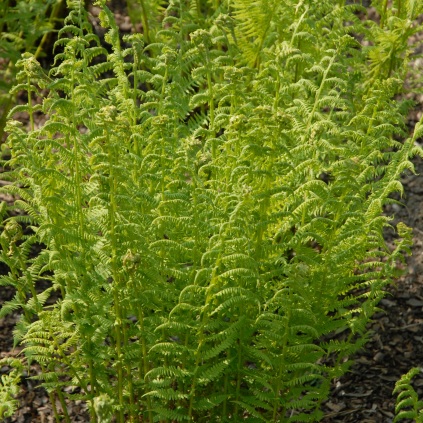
(9, 387)
(209, 197)
(24, 27)
(408, 405)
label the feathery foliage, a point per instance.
(209, 196)
(408, 404)
(24, 27)
(9, 387)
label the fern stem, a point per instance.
(372, 119)
(256, 63)
(77, 173)
(53, 405)
(198, 7)
(93, 389)
(225, 392)
(5, 110)
(297, 66)
(129, 379)
(65, 359)
(162, 136)
(277, 92)
(134, 100)
(319, 92)
(201, 335)
(38, 306)
(145, 24)
(391, 62)
(211, 104)
(30, 111)
(116, 276)
(198, 356)
(144, 368)
(281, 369)
(63, 404)
(294, 34)
(61, 400)
(20, 292)
(197, 251)
(53, 16)
(384, 13)
(79, 212)
(238, 381)
(118, 347)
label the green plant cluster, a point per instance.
(9, 386)
(25, 26)
(408, 404)
(208, 196)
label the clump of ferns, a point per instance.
(193, 178)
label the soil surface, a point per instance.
(364, 394)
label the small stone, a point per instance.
(378, 357)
